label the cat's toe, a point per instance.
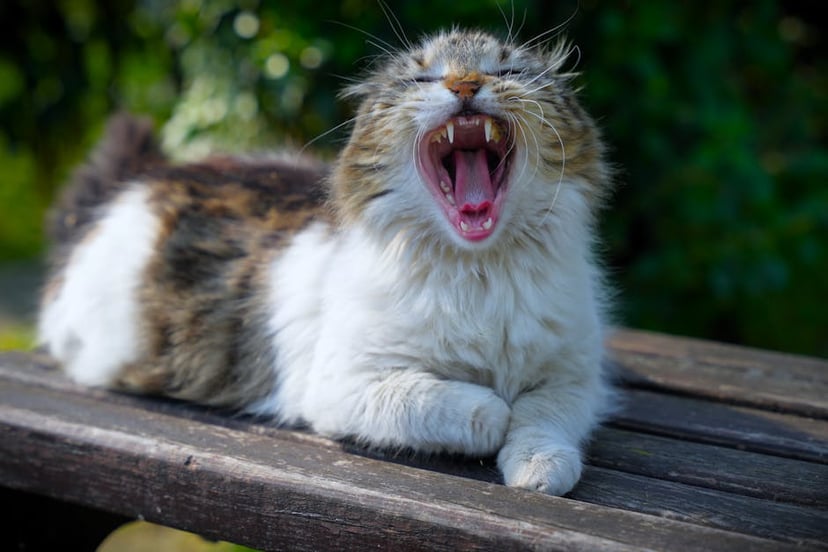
(552, 469)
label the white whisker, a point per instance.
(537, 89)
(536, 77)
(417, 139)
(544, 121)
(326, 133)
(524, 129)
(542, 118)
(395, 24)
(374, 40)
(507, 21)
(539, 39)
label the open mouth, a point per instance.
(465, 162)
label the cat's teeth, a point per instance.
(492, 131)
(463, 226)
(447, 192)
(487, 224)
(450, 131)
(439, 136)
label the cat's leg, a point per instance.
(410, 408)
(90, 318)
(544, 442)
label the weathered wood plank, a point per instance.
(265, 492)
(723, 424)
(709, 466)
(705, 421)
(805, 526)
(713, 467)
(618, 456)
(729, 373)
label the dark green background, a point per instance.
(715, 112)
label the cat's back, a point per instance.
(163, 265)
(272, 194)
(275, 193)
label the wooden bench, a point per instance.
(717, 448)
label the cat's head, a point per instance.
(466, 138)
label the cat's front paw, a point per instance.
(476, 420)
(489, 422)
(549, 468)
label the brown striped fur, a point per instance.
(221, 220)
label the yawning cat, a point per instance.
(435, 290)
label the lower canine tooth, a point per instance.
(463, 226)
(487, 224)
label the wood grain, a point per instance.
(712, 467)
(727, 373)
(707, 507)
(264, 492)
(739, 427)
(713, 450)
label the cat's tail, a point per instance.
(128, 147)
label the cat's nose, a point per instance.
(464, 88)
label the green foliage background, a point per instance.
(716, 114)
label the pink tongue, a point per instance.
(473, 189)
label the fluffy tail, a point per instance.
(127, 148)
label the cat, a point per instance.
(435, 290)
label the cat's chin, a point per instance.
(465, 164)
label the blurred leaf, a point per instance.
(141, 536)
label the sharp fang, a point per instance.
(487, 224)
(450, 199)
(463, 226)
(450, 131)
(488, 129)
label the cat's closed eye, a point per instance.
(427, 78)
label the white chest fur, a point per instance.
(342, 305)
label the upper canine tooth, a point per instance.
(450, 131)
(488, 129)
